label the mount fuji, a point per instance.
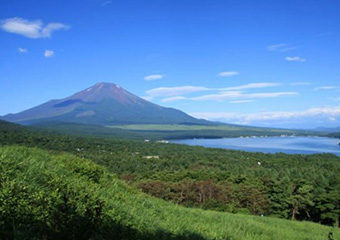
(103, 104)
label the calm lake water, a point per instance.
(302, 145)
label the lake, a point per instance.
(291, 145)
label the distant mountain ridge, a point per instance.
(103, 104)
(327, 129)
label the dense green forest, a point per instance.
(296, 187)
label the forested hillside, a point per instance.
(302, 187)
(60, 196)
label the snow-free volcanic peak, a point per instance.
(102, 91)
(103, 104)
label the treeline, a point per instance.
(302, 187)
(284, 198)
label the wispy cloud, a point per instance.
(106, 3)
(271, 94)
(219, 96)
(242, 101)
(241, 95)
(227, 74)
(147, 98)
(22, 50)
(326, 88)
(48, 53)
(236, 93)
(31, 29)
(153, 77)
(276, 46)
(252, 86)
(174, 91)
(172, 99)
(295, 59)
(281, 47)
(325, 112)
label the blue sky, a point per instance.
(264, 63)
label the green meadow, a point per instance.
(181, 131)
(187, 127)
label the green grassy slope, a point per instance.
(60, 196)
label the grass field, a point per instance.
(182, 131)
(126, 213)
(184, 127)
(166, 131)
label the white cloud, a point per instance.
(326, 88)
(147, 98)
(172, 99)
(240, 95)
(153, 77)
(326, 112)
(31, 29)
(271, 95)
(219, 96)
(282, 47)
(295, 59)
(51, 27)
(173, 91)
(237, 93)
(276, 46)
(242, 101)
(22, 50)
(252, 85)
(227, 74)
(49, 53)
(287, 49)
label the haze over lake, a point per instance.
(291, 145)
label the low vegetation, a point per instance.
(298, 187)
(60, 196)
(180, 131)
(187, 127)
